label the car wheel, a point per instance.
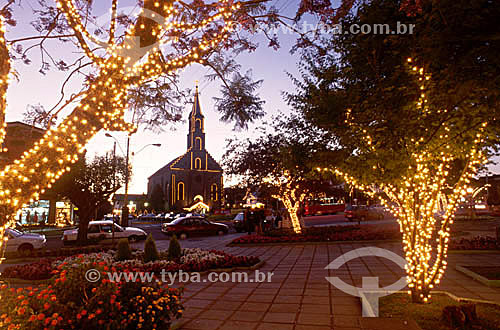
(183, 236)
(25, 249)
(221, 233)
(133, 239)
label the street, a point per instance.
(54, 242)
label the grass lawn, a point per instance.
(428, 316)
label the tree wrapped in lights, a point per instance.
(414, 117)
(281, 163)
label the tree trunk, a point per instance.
(85, 217)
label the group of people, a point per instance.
(257, 221)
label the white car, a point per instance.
(23, 242)
(103, 229)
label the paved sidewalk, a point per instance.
(299, 297)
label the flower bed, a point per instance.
(192, 260)
(475, 243)
(324, 234)
(72, 302)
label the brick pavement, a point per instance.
(299, 297)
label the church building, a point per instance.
(192, 175)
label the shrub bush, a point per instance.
(72, 302)
(174, 249)
(123, 250)
(150, 250)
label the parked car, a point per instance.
(147, 217)
(239, 222)
(21, 242)
(103, 230)
(193, 226)
(363, 212)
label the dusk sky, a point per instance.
(267, 64)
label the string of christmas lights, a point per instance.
(414, 200)
(290, 196)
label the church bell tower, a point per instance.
(196, 135)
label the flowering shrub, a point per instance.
(476, 243)
(191, 260)
(351, 233)
(72, 302)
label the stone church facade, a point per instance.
(195, 173)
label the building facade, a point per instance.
(192, 175)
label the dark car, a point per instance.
(239, 222)
(363, 212)
(193, 226)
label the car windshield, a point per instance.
(177, 221)
(15, 232)
(239, 217)
(118, 227)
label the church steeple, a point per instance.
(196, 135)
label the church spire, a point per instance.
(196, 103)
(196, 135)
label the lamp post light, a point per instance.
(125, 213)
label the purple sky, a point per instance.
(266, 64)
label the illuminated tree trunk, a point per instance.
(414, 202)
(291, 199)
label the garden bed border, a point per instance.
(214, 270)
(478, 277)
(369, 312)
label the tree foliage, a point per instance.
(370, 76)
(281, 161)
(89, 185)
(414, 115)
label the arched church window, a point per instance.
(198, 143)
(198, 124)
(214, 192)
(197, 163)
(180, 191)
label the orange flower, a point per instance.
(21, 311)
(41, 316)
(46, 306)
(54, 323)
(32, 318)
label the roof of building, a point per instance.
(184, 162)
(196, 111)
(19, 123)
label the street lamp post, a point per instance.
(125, 210)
